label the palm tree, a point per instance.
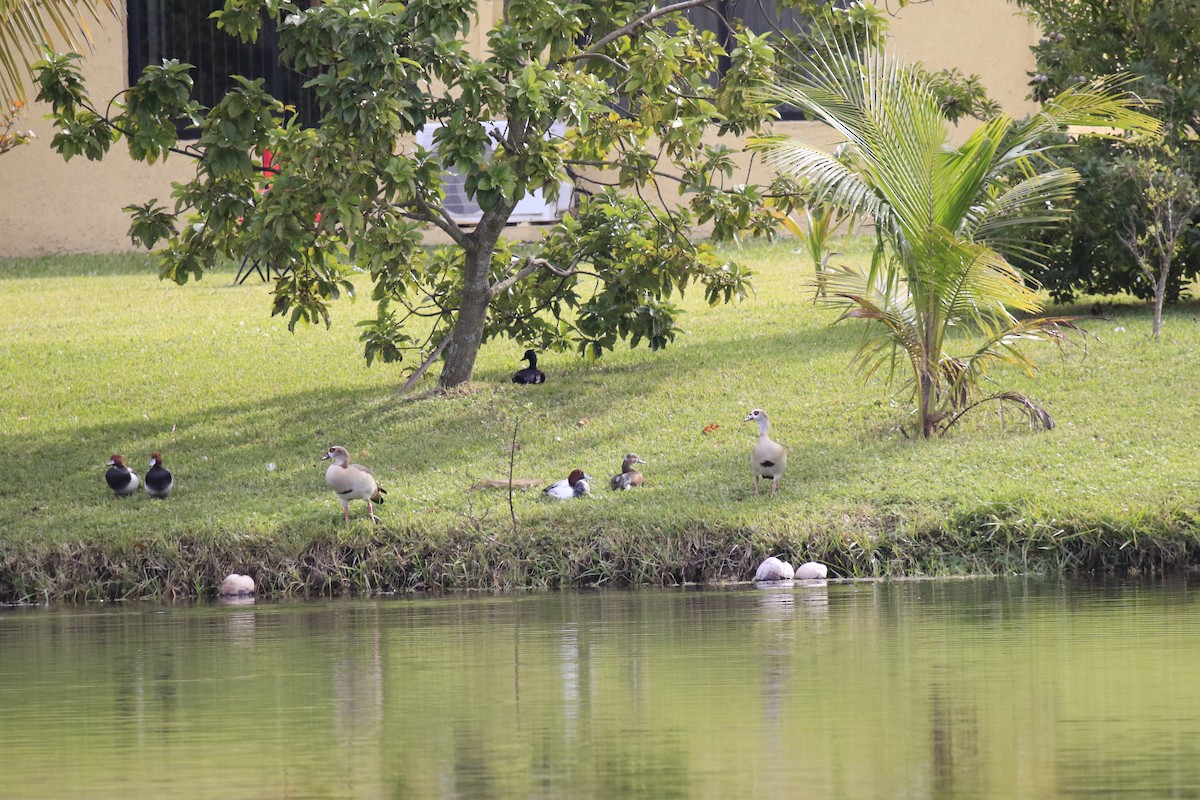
(25, 24)
(947, 218)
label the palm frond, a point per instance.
(885, 113)
(945, 216)
(1102, 107)
(828, 180)
(1002, 219)
(893, 333)
(25, 24)
(1004, 345)
(982, 285)
(963, 173)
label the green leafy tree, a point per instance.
(960, 95)
(1156, 227)
(1158, 43)
(940, 294)
(25, 24)
(635, 86)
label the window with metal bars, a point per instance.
(759, 16)
(181, 29)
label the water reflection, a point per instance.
(938, 689)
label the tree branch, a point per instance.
(612, 61)
(610, 165)
(640, 22)
(425, 365)
(532, 265)
(440, 217)
(512, 458)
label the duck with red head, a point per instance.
(121, 479)
(575, 485)
(352, 482)
(159, 481)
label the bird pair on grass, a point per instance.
(124, 481)
(576, 484)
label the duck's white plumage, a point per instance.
(768, 458)
(351, 482)
(812, 571)
(574, 485)
(236, 585)
(774, 569)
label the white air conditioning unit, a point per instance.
(533, 207)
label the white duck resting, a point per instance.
(575, 485)
(774, 569)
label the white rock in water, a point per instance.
(774, 570)
(236, 585)
(811, 571)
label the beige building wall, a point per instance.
(990, 38)
(48, 206)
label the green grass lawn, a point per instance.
(98, 356)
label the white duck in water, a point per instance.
(774, 569)
(159, 481)
(812, 571)
(236, 585)
(121, 479)
(575, 485)
(629, 476)
(767, 458)
(351, 482)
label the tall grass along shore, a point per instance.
(97, 356)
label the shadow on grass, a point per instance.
(251, 495)
(254, 465)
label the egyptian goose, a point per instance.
(159, 481)
(530, 374)
(574, 485)
(121, 479)
(351, 482)
(629, 476)
(767, 458)
(774, 569)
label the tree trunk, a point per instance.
(1160, 294)
(926, 400)
(467, 334)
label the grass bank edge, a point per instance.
(364, 560)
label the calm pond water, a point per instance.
(1022, 688)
